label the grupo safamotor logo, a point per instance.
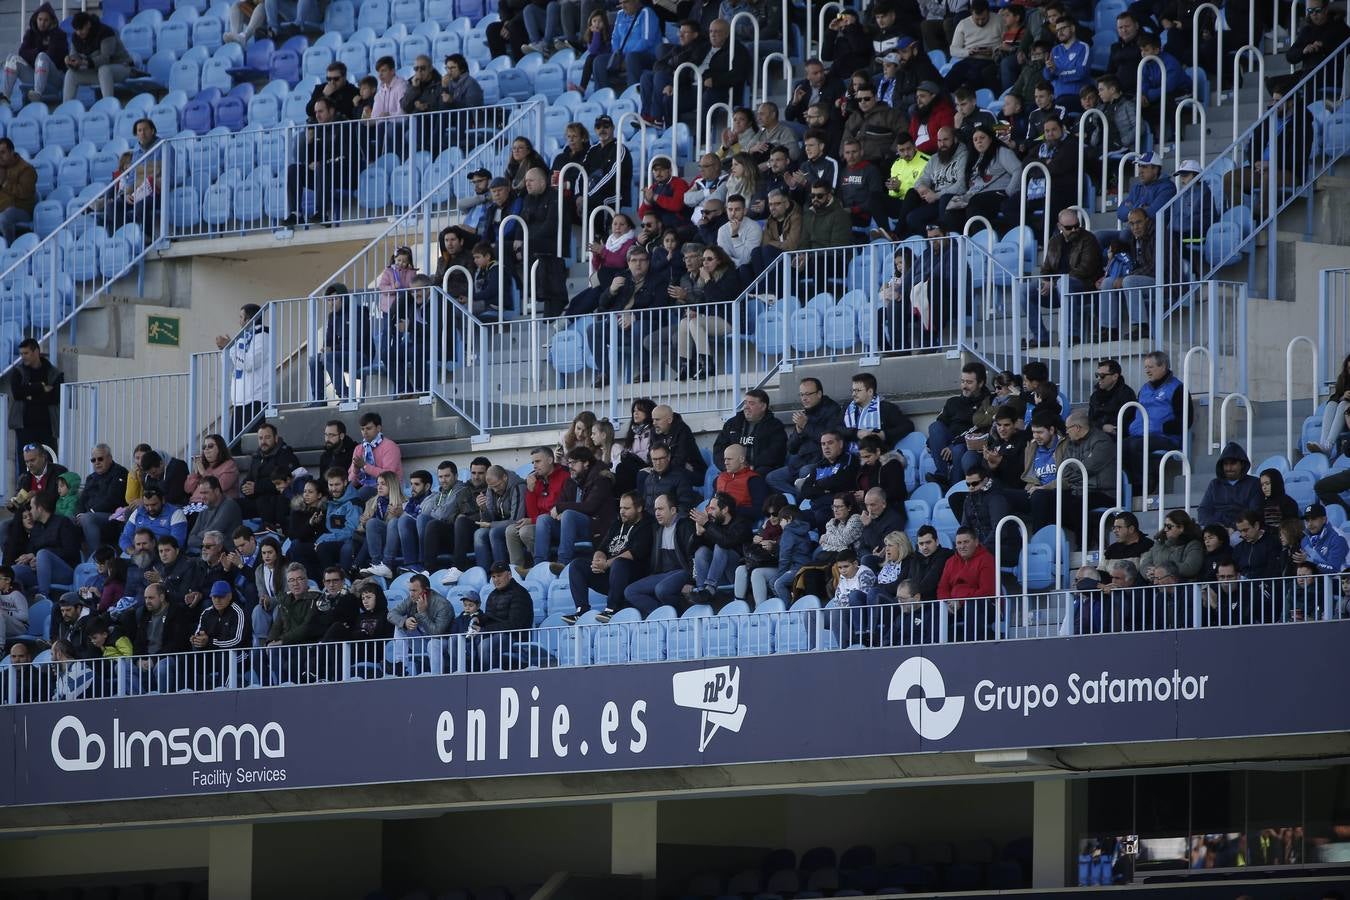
(716, 693)
(932, 724)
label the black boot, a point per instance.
(683, 374)
(703, 370)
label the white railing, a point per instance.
(1333, 317)
(1289, 432)
(124, 412)
(629, 638)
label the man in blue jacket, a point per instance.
(1163, 397)
(1150, 191)
(159, 517)
(340, 521)
(634, 42)
(1233, 491)
(1067, 66)
(1322, 546)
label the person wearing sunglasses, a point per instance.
(1075, 254)
(337, 90)
(1322, 32)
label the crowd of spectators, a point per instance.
(168, 556)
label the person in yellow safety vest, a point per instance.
(905, 171)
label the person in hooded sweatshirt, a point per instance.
(42, 51)
(1233, 490)
(97, 56)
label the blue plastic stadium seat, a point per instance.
(174, 37)
(208, 32)
(231, 111)
(285, 63)
(264, 110)
(199, 114)
(373, 14)
(185, 208)
(216, 73)
(340, 17)
(62, 129)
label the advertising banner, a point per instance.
(1105, 689)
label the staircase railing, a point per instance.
(100, 245)
(1253, 172)
(124, 412)
(419, 227)
(1333, 313)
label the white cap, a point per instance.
(1188, 165)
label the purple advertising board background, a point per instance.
(709, 712)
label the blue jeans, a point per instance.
(261, 620)
(298, 12)
(662, 589)
(782, 585)
(92, 523)
(940, 436)
(711, 565)
(46, 568)
(489, 544)
(1034, 300)
(634, 64)
(571, 527)
(403, 540)
(784, 480)
(159, 678)
(11, 219)
(417, 652)
(377, 532)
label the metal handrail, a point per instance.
(584, 179)
(1223, 419)
(504, 260)
(1289, 390)
(1022, 223)
(697, 137)
(1198, 116)
(1025, 555)
(820, 24)
(708, 123)
(1082, 153)
(1139, 104)
(1186, 407)
(788, 73)
(754, 54)
(1059, 512)
(1120, 449)
(1162, 483)
(1248, 51)
(1219, 27)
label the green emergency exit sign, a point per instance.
(163, 331)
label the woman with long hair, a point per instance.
(523, 158)
(578, 434)
(1338, 407)
(720, 284)
(744, 177)
(994, 174)
(843, 530)
(270, 580)
(215, 459)
(1180, 542)
(379, 519)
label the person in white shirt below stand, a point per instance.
(710, 183)
(851, 590)
(740, 235)
(250, 355)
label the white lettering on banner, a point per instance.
(716, 693)
(474, 744)
(175, 747)
(989, 696)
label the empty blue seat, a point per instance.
(174, 37)
(356, 57)
(373, 14)
(285, 62)
(199, 114)
(372, 188)
(26, 135)
(139, 39)
(340, 17)
(61, 129)
(47, 216)
(208, 32)
(316, 60)
(216, 74)
(184, 209)
(166, 119)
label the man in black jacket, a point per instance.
(671, 432)
(159, 630)
(1110, 394)
(273, 458)
(340, 93)
(627, 294)
(719, 535)
(755, 429)
(658, 84)
(869, 414)
(818, 415)
(816, 87)
(178, 574)
(946, 440)
(35, 391)
(671, 562)
(104, 491)
(724, 75)
(54, 548)
(928, 562)
(39, 476)
(661, 479)
(505, 618)
(337, 446)
(539, 209)
(833, 471)
(620, 558)
(1322, 32)
(328, 163)
(223, 626)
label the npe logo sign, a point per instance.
(931, 724)
(716, 693)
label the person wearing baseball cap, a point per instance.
(502, 202)
(1194, 210)
(474, 205)
(1323, 546)
(599, 163)
(222, 626)
(1150, 191)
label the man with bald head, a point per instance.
(943, 177)
(724, 75)
(1072, 264)
(710, 184)
(539, 209)
(671, 432)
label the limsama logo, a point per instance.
(918, 672)
(716, 693)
